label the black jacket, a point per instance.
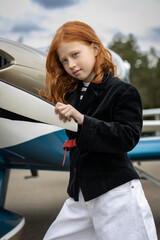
(112, 127)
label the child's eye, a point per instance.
(75, 54)
(64, 61)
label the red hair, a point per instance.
(58, 82)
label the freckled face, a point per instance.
(78, 59)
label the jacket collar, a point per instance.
(92, 94)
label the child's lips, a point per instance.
(76, 72)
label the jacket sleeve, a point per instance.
(120, 135)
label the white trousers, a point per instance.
(122, 213)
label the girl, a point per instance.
(106, 197)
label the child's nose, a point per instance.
(72, 64)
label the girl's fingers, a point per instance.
(62, 117)
(57, 107)
(63, 109)
(66, 112)
(60, 106)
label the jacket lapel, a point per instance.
(93, 95)
(73, 98)
(90, 97)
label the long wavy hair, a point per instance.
(58, 82)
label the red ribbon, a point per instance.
(66, 147)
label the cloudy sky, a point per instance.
(36, 21)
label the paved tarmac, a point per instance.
(40, 199)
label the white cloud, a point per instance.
(105, 16)
(17, 9)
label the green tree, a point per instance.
(145, 68)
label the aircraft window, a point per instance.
(4, 62)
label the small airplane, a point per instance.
(32, 136)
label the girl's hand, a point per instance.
(66, 112)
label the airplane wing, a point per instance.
(29, 105)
